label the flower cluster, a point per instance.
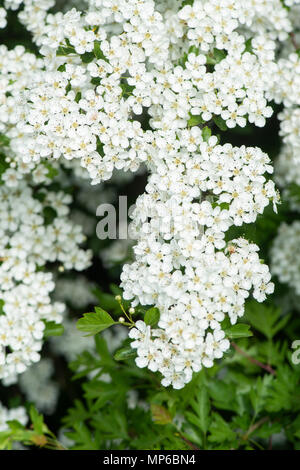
(18, 68)
(87, 106)
(28, 242)
(193, 305)
(288, 162)
(285, 255)
(138, 82)
(286, 91)
(183, 264)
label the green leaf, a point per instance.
(206, 133)
(87, 57)
(53, 329)
(62, 68)
(266, 319)
(116, 290)
(216, 57)
(78, 96)
(64, 50)
(187, 2)
(37, 420)
(94, 322)
(284, 393)
(124, 353)
(152, 316)
(98, 52)
(126, 89)
(219, 55)
(107, 301)
(4, 140)
(223, 395)
(52, 172)
(195, 121)
(49, 215)
(3, 164)
(201, 406)
(220, 123)
(160, 414)
(194, 50)
(182, 61)
(15, 425)
(240, 330)
(220, 430)
(259, 393)
(248, 45)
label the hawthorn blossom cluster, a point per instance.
(28, 242)
(288, 83)
(138, 82)
(17, 69)
(287, 165)
(88, 107)
(285, 255)
(284, 252)
(183, 264)
(31, 13)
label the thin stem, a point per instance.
(270, 447)
(252, 360)
(187, 441)
(294, 42)
(254, 427)
(256, 444)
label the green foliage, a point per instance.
(152, 316)
(53, 329)
(38, 434)
(65, 50)
(3, 164)
(248, 400)
(187, 2)
(109, 302)
(4, 140)
(52, 172)
(94, 322)
(221, 408)
(248, 45)
(220, 123)
(240, 330)
(98, 52)
(266, 319)
(216, 56)
(49, 215)
(206, 133)
(240, 403)
(124, 353)
(195, 121)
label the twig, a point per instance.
(254, 427)
(294, 42)
(254, 361)
(270, 443)
(189, 443)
